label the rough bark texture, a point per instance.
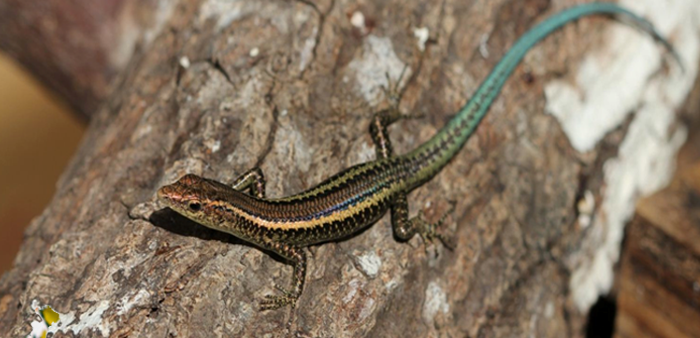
(291, 86)
(78, 47)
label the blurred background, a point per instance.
(38, 136)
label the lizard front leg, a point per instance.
(384, 118)
(253, 180)
(297, 257)
(377, 129)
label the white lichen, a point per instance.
(90, 321)
(128, 302)
(621, 79)
(435, 300)
(353, 285)
(307, 50)
(357, 19)
(483, 45)
(185, 62)
(586, 207)
(377, 61)
(370, 263)
(422, 34)
(223, 11)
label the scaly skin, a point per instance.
(358, 196)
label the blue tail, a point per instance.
(450, 139)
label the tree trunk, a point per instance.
(540, 199)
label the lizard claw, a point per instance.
(391, 90)
(272, 302)
(284, 291)
(429, 231)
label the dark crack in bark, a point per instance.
(321, 25)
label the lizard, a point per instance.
(357, 197)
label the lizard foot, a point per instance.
(429, 231)
(272, 302)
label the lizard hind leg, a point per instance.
(405, 228)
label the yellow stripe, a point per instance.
(336, 216)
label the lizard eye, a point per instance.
(194, 206)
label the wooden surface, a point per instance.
(291, 86)
(658, 292)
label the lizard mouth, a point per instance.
(168, 196)
(176, 197)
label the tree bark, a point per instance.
(540, 199)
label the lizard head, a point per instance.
(202, 200)
(191, 196)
